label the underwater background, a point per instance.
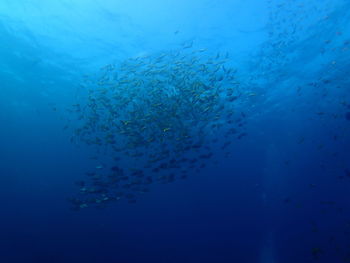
(175, 131)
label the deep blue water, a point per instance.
(280, 196)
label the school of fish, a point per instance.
(160, 117)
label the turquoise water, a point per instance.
(174, 131)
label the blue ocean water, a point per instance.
(277, 191)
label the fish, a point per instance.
(158, 114)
